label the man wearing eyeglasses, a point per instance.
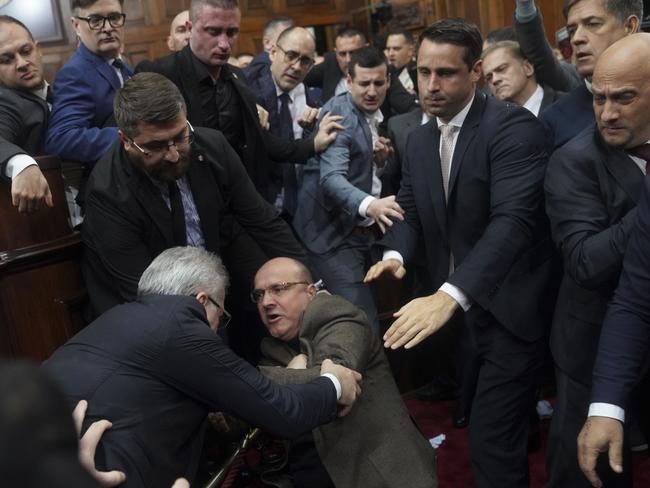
(155, 367)
(281, 92)
(377, 442)
(81, 124)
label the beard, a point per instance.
(164, 170)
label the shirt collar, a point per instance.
(425, 118)
(534, 102)
(202, 73)
(373, 119)
(297, 90)
(41, 92)
(588, 85)
(459, 118)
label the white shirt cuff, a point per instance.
(606, 410)
(17, 163)
(364, 205)
(337, 384)
(392, 255)
(457, 294)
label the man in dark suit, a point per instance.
(24, 112)
(592, 185)
(377, 442)
(272, 29)
(202, 74)
(472, 194)
(155, 367)
(511, 78)
(165, 184)
(280, 91)
(81, 125)
(399, 50)
(569, 116)
(341, 209)
(331, 74)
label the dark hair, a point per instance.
(275, 22)
(149, 98)
(197, 5)
(351, 32)
(366, 57)
(622, 9)
(459, 32)
(408, 36)
(506, 33)
(511, 46)
(8, 19)
(75, 4)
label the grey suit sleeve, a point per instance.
(535, 46)
(11, 125)
(592, 247)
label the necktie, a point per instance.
(178, 215)
(119, 64)
(289, 181)
(642, 151)
(446, 152)
(48, 95)
(285, 119)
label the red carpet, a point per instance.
(454, 470)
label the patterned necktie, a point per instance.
(446, 152)
(642, 151)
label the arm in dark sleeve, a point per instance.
(71, 133)
(295, 151)
(400, 100)
(518, 160)
(535, 46)
(200, 365)
(315, 76)
(592, 248)
(253, 213)
(11, 126)
(625, 336)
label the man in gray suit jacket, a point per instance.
(340, 212)
(376, 445)
(23, 115)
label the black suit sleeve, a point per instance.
(625, 336)
(592, 248)
(315, 76)
(11, 128)
(254, 214)
(200, 365)
(399, 100)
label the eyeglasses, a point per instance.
(275, 290)
(225, 318)
(97, 22)
(291, 57)
(159, 148)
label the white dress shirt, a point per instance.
(373, 120)
(19, 162)
(453, 291)
(297, 106)
(534, 103)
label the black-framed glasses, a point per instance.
(159, 148)
(97, 22)
(225, 318)
(291, 57)
(275, 290)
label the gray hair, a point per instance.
(149, 98)
(197, 6)
(184, 271)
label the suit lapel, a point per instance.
(624, 170)
(149, 197)
(208, 202)
(427, 157)
(465, 137)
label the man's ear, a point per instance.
(477, 71)
(312, 290)
(529, 69)
(632, 24)
(124, 139)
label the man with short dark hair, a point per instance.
(399, 50)
(24, 112)
(511, 78)
(166, 183)
(307, 327)
(179, 33)
(593, 184)
(270, 33)
(340, 205)
(615, 19)
(472, 195)
(331, 75)
(81, 126)
(155, 367)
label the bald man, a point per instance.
(280, 90)
(593, 184)
(377, 442)
(179, 32)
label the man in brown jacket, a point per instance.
(376, 445)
